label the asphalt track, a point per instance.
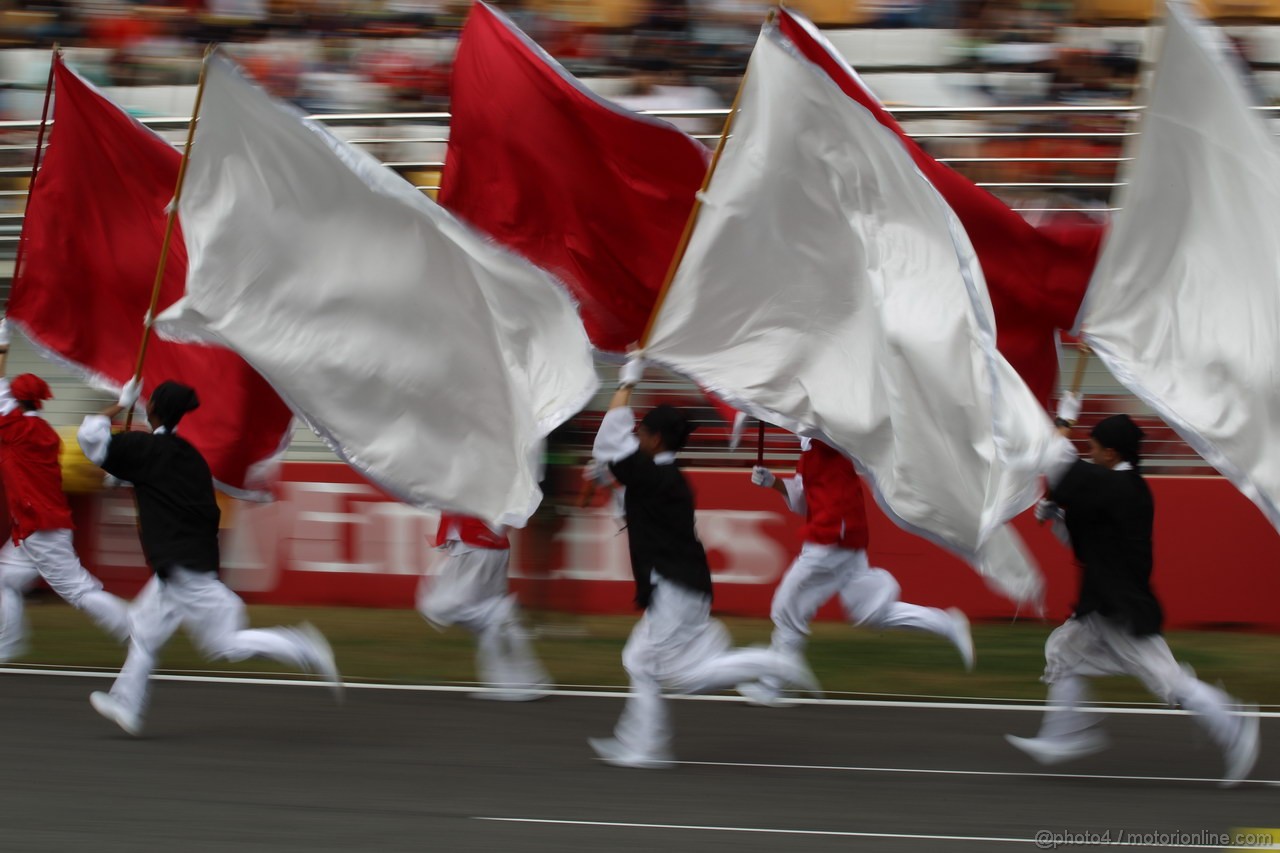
(279, 767)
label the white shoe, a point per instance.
(13, 651)
(111, 708)
(1242, 753)
(322, 661)
(1055, 750)
(514, 692)
(761, 695)
(503, 695)
(613, 753)
(798, 674)
(962, 637)
(513, 680)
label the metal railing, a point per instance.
(1075, 193)
(1167, 454)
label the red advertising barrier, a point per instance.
(334, 539)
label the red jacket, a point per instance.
(833, 494)
(32, 475)
(470, 531)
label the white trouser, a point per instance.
(1091, 646)
(471, 591)
(215, 619)
(677, 645)
(51, 555)
(869, 597)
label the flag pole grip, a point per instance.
(1082, 362)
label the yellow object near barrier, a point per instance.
(79, 475)
(1145, 10)
(610, 14)
(227, 505)
(1255, 838)
(833, 13)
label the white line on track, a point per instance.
(606, 693)
(833, 697)
(1038, 842)
(938, 772)
(614, 694)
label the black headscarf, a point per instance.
(170, 401)
(670, 423)
(1121, 434)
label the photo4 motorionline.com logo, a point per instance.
(1238, 839)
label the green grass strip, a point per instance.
(398, 646)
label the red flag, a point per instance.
(581, 187)
(92, 237)
(1036, 278)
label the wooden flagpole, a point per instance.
(1077, 381)
(35, 163)
(168, 227)
(681, 246)
(683, 243)
(1082, 361)
(588, 490)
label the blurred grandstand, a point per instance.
(1031, 99)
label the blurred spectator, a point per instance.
(896, 13)
(395, 55)
(661, 86)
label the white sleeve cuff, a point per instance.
(7, 403)
(1064, 456)
(1059, 529)
(795, 495)
(94, 435)
(616, 439)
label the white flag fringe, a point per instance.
(430, 359)
(1184, 306)
(829, 289)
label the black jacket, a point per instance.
(660, 526)
(177, 513)
(1109, 515)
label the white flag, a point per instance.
(828, 288)
(1184, 306)
(430, 359)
